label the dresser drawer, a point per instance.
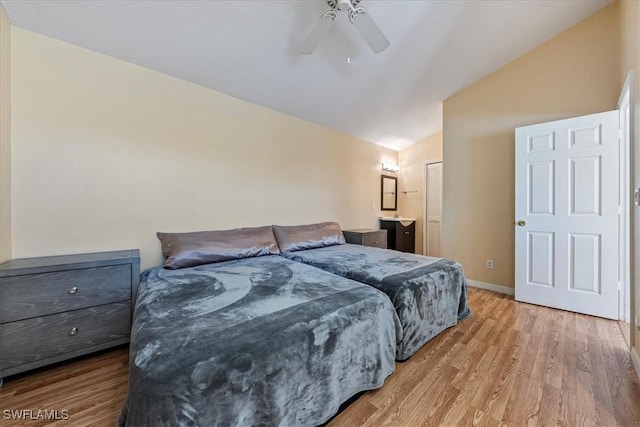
(378, 240)
(30, 340)
(33, 295)
(367, 237)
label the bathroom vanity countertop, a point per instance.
(399, 219)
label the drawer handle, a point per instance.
(406, 232)
(73, 331)
(73, 290)
(375, 241)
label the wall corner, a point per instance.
(5, 137)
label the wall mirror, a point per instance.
(389, 193)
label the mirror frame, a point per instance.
(395, 193)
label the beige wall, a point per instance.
(575, 73)
(412, 162)
(5, 136)
(106, 153)
(630, 60)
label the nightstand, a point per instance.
(59, 307)
(367, 237)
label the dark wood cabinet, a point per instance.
(59, 307)
(400, 237)
(367, 237)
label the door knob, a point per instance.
(521, 223)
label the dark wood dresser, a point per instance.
(400, 235)
(59, 307)
(367, 237)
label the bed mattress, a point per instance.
(257, 341)
(429, 294)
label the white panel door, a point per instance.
(566, 235)
(434, 210)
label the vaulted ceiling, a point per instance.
(249, 49)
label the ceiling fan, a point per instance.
(358, 16)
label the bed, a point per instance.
(254, 341)
(429, 294)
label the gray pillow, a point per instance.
(300, 237)
(182, 250)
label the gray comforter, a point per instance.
(257, 341)
(429, 294)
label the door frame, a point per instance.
(626, 197)
(425, 222)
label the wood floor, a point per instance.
(626, 332)
(508, 364)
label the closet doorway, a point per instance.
(432, 230)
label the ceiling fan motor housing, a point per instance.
(343, 4)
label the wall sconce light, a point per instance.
(390, 167)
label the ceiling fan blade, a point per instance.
(368, 29)
(309, 44)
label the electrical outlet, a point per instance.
(489, 264)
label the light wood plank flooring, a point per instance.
(625, 328)
(509, 364)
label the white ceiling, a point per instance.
(247, 49)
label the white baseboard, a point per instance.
(491, 287)
(636, 360)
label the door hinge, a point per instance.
(619, 286)
(619, 133)
(619, 210)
